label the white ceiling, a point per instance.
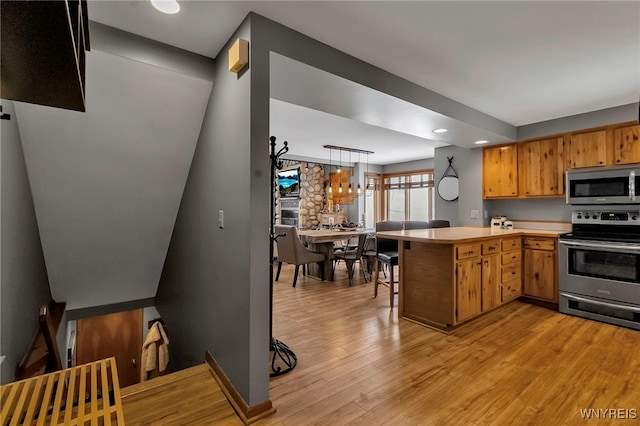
(520, 62)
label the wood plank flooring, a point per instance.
(359, 365)
(187, 397)
(522, 364)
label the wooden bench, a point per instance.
(86, 394)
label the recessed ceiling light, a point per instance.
(166, 6)
(440, 130)
(480, 142)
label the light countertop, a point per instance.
(462, 234)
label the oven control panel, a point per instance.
(606, 217)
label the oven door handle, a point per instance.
(597, 302)
(632, 185)
(601, 246)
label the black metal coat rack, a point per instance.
(283, 359)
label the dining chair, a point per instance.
(369, 255)
(292, 251)
(386, 254)
(350, 257)
(438, 223)
(416, 224)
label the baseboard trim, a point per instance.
(248, 414)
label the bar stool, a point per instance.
(386, 254)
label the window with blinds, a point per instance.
(409, 195)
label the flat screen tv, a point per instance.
(289, 183)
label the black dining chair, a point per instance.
(438, 223)
(386, 255)
(416, 224)
(350, 257)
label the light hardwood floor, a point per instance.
(359, 365)
(187, 397)
(522, 364)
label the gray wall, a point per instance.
(604, 117)
(214, 289)
(426, 163)
(468, 164)
(24, 285)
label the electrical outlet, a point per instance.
(475, 214)
(221, 219)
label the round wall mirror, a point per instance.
(448, 188)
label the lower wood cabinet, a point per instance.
(540, 268)
(477, 272)
(511, 269)
(490, 277)
(468, 282)
(446, 284)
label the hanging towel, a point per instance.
(155, 351)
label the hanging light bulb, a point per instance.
(358, 191)
(349, 176)
(367, 175)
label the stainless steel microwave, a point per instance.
(612, 185)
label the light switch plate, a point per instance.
(221, 218)
(475, 214)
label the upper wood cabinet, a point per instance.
(588, 149)
(626, 145)
(541, 167)
(535, 168)
(500, 171)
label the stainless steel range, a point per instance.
(599, 265)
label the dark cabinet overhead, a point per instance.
(43, 52)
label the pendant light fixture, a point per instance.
(366, 178)
(330, 183)
(339, 170)
(350, 188)
(358, 190)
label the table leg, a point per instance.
(327, 249)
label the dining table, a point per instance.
(323, 241)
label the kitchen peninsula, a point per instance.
(450, 275)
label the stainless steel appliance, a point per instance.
(599, 266)
(615, 185)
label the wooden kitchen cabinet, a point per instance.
(626, 145)
(500, 171)
(540, 269)
(477, 278)
(511, 267)
(490, 279)
(541, 167)
(468, 276)
(588, 149)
